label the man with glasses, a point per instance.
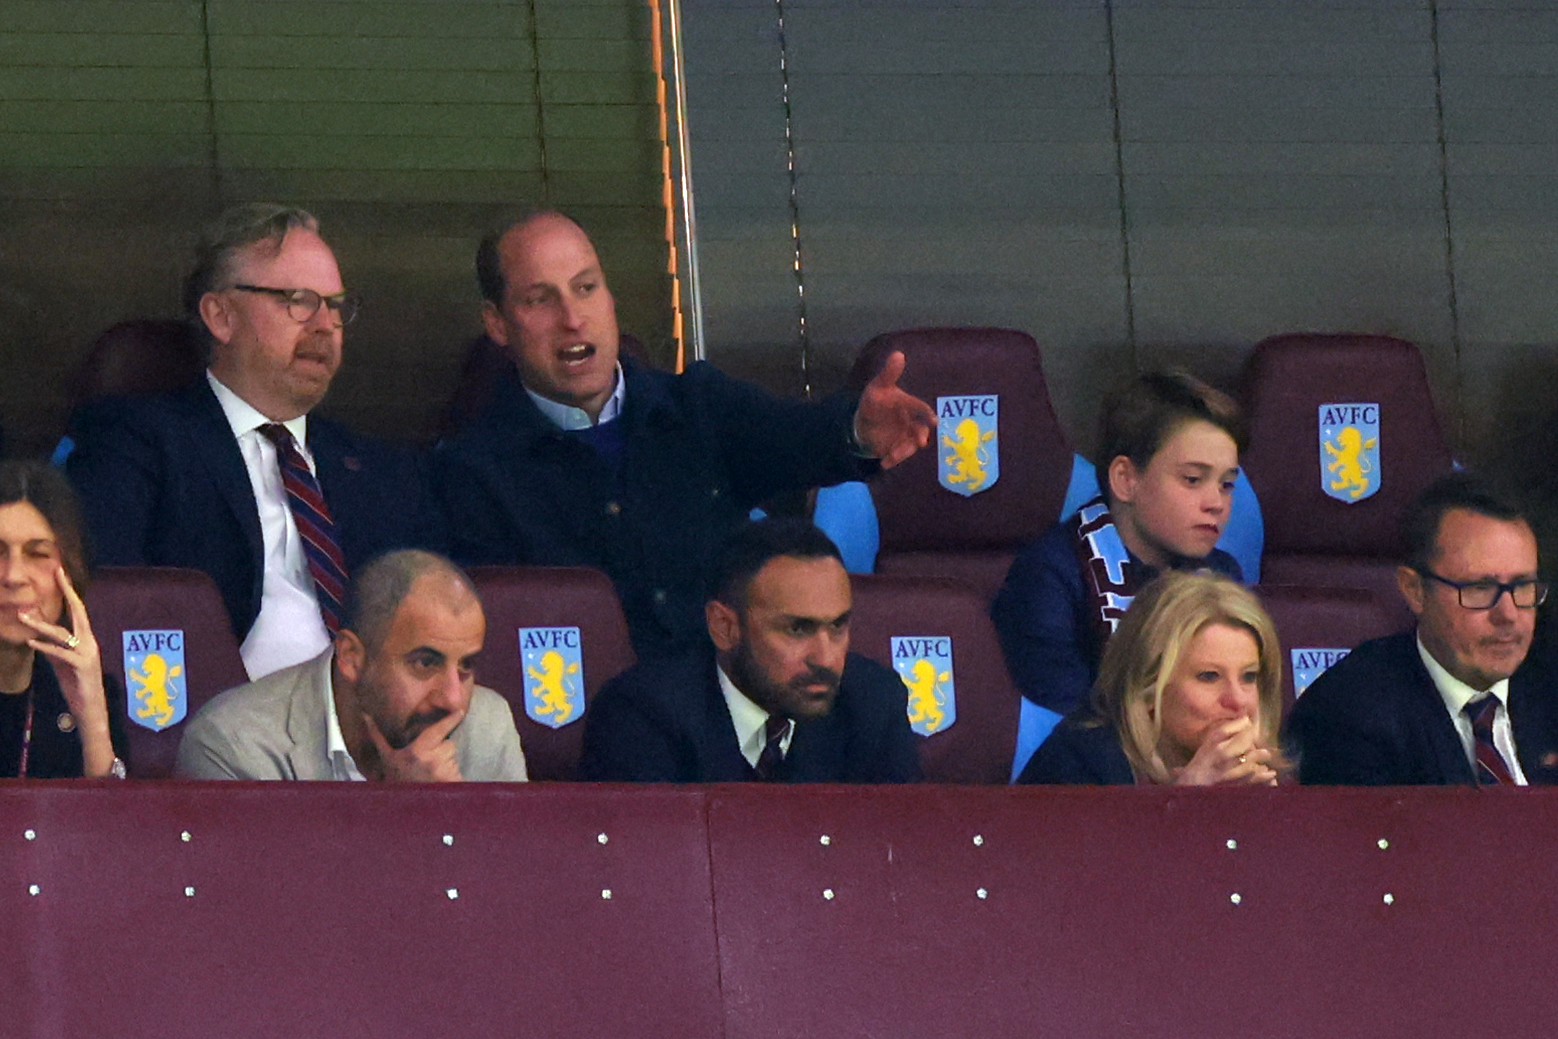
(1458, 700)
(233, 476)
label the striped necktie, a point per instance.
(768, 762)
(325, 563)
(1491, 766)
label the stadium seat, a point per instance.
(1331, 510)
(145, 601)
(974, 744)
(134, 358)
(555, 635)
(1318, 626)
(929, 530)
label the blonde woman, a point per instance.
(1189, 692)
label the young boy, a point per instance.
(1169, 457)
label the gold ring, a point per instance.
(72, 641)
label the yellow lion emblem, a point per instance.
(925, 696)
(551, 689)
(151, 689)
(969, 457)
(1350, 467)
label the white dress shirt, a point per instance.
(568, 418)
(1457, 694)
(289, 628)
(342, 766)
(750, 721)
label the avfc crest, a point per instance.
(1310, 664)
(969, 458)
(1349, 451)
(554, 675)
(154, 666)
(924, 662)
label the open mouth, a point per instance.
(576, 354)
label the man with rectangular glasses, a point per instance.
(1460, 699)
(233, 476)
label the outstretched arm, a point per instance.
(891, 424)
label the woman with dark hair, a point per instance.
(57, 718)
(1189, 693)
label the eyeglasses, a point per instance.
(303, 304)
(1484, 595)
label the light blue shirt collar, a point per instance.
(568, 418)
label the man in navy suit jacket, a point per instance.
(776, 697)
(1400, 710)
(189, 479)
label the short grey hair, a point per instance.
(236, 229)
(383, 584)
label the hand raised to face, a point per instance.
(1229, 755)
(429, 758)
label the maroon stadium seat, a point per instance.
(1313, 538)
(1317, 625)
(977, 746)
(137, 357)
(929, 530)
(523, 597)
(138, 599)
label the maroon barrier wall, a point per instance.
(766, 913)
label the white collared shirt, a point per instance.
(342, 765)
(1457, 694)
(289, 628)
(750, 721)
(569, 418)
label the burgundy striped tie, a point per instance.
(325, 563)
(1491, 766)
(768, 762)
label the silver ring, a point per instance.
(72, 641)
(1241, 758)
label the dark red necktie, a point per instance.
(768, 762)
(325, 563)
(1491, 766)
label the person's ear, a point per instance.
(1413, 588)
(351, 655)
(217, 313)
(724, 625)
(492, 320)
(1123, 478)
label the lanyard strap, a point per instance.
(21, 770)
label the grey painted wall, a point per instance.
(1138, 183)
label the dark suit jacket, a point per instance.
(1075, 753)
(701, 450)
(162, 483)
(666, 721)
(1375, 719)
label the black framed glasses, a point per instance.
(303, 304)
(1484, 595)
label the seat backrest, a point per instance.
(138, 357)
(1029, 457)
(555, 635)
(1318, 626)
(1288, 380)
(937, 634)
(177, 616)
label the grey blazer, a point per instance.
(275, 729)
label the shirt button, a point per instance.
(613, 509)
(658, 596)
(714, 493)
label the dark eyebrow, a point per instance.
(796, 618)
